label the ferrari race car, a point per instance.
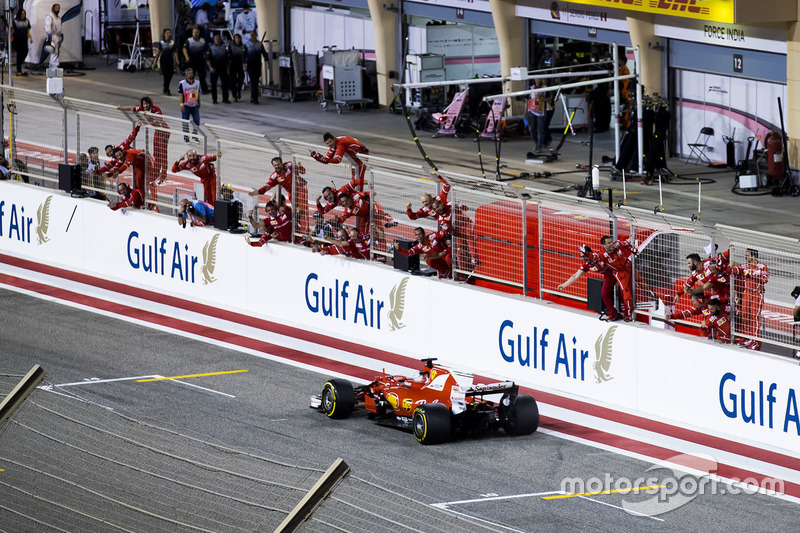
(437, 405)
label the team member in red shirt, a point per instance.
(590, 264)
(160, 133)
(202, 167)
(358, 206)
(340, 246)
(128, 198)
(359, 244)
(277, 225)
(282, 175)
(616, 257)
(427, 201)
(717, 325)
(437, 254)
(331, 195)
(339, 147)
(113, 163)
(754, 275)
(141, 164)
(706, 275)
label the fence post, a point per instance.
(146, 184)
(66, 132)
(524, 204)
(541, 253)
(732, 293)
(372, 203)
(78, 131)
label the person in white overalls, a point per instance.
(52, 43)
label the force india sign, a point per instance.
(715, 10)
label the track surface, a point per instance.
(266, 408)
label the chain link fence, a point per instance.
(506, 237)
(37, 136)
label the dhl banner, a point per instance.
(715, 10)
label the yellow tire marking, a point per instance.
(191, 376)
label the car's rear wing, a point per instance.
(493, 388)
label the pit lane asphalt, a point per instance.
(387, 135)
(270, 414)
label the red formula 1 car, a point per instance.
(437, 405)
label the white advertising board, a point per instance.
(43, 224)
(722, 390)
(722, 34)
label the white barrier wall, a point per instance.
(722, 390)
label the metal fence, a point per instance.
(511, 238)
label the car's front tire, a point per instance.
(522, 416)
(431, 423)
(338, 398)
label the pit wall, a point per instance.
(722, 390)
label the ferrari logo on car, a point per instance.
(603, 355)
(408, 403)
(397, 303)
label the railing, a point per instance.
(511, 238)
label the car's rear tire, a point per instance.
(338, 398)
(522, 416)
(431, 423)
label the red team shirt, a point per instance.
(345, 147)
(754, 276)
(360, 207)
(278, 227)
(284, 179)
(203, 169)
(719, 326)
(359, 248)
(423, 211)
(619, 258)
(114, 163)
(432, 245)
(348, 188)
(134, 199)
(720, 283)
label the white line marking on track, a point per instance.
(492, 498)
(92, 381)
(199, 387)
(620, 508)
(493, 524)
